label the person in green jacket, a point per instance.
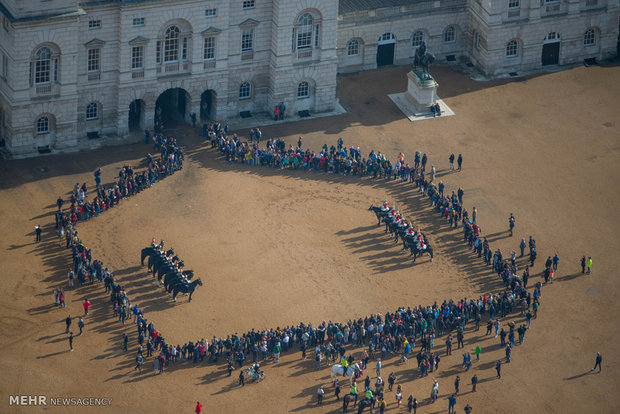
(478, 351)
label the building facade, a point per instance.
(75, 70)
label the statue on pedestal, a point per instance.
(423, 59)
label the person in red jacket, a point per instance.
(198, 407)
(86, 305)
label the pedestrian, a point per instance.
(451, 161)
(508, 352)
(241, 378)
(468, 409)
(474, 382)
(337, 389)
(81, 325)
(556, 260)
(391, 380)
(86, 305)
(198, 409)
(319, 395)
(589, 265)
(478, 351)
(71, 276)
(457, 382)
(381, 403)
(583, 264)
(498, 368)
(451, 404)
(379, 367)
(399, 395)
(68, 323)
(37, 231)
(459, 161)
(522, 247)
(71, 341)
(599, 359)
(139, 362)
(125, 342)
(511, 223)
(61, 298)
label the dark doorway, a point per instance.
(207, 105)
(136, 112)
(385, 54)
(171, 107)
(551, 53)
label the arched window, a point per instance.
(43, 125)
(92, 111)
(589, 38)
(43, 66)
(417, 38)
(303, 90)
(512, 49)
(304, 32)
(171, 44)
(245, 90)
(353, 47)
(449, 35)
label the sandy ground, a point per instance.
(275, 248)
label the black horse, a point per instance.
(172, 277)
(365, 403)
(379, 213)
(184, 287)
(147, 252)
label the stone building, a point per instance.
(74, 69)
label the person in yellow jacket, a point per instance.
(345, 364)
(369, 394)
(354, 391)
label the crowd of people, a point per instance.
(375, 336)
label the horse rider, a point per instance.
(384, 206)
(256, 369)
(369, 394)
(345, 364)
(354, 390)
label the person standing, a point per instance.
(86, 305)
(337, 389)
(556, 260)
(511, 223)
(71, 342)
(583, 264)
(498, 368)
(451, 404)
(319, 395)
(37, 231)
(457, 382)
(391, 380)
(125, 342)
(139, 362)
(198, 409)
(468, 409)
(81, 326)
(589, 264)
(474, 382)
(241, 378)
(68, 323)
(478, 351)
(597, 363)
(522, 247)
(451, 161)
(379, 367)
(61, 298)
(459, 161)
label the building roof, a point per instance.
(348, 6)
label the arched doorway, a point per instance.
(136, 115)
(207, 105)
(551, 49)
(385, 49)
(171, 107)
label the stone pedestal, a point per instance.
(421, 90)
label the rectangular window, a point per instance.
(93, 60)
(137, 58)
(316, 36)
(514, 4)
(138, 21)
(158, 53)
(247, 40)
(42, 71)
(210, 12)
(94, 24)
(304, 37)
(184, 51)
(209, 48)
(248, 4)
